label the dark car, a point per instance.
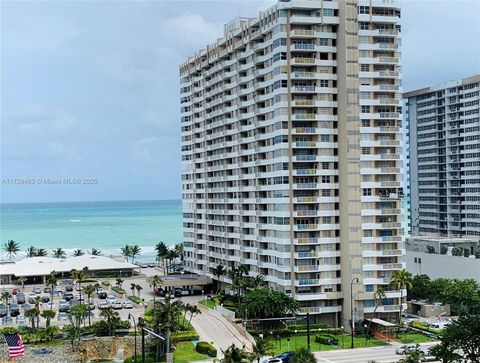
(14, 310)
(3, 311)
(102, 295)
(69, 288)
(47, 290)
(21, 299)
(45, 299)
(177, 292)
(285, 357)
(26, 307)
(68, 296)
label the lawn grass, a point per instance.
(411, 337)
(185, 353)
(208, 303)
(300, 341)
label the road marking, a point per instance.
(325, 360)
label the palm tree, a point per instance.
(95, 252)
(303, 355)
(403, 280)
(89, 290)
(58, 253)
(413, 356)
(194, 310)
(32, 314)
(234, 355)
(22, 280)
(162, 250)
(52, 282)
(379, 296)
(155, 282)
(165, 315)
(179, 249)
(119, 282)
(78, 277)
(31, 251)
(111, 317)
(132, 287)
(134, 252)
(48, 315)
(78, 252)
(41, 252)
(11, 248)
(171, 255)
(218, 272)
(5, 296)
(261, 349)
(258, 281)
(138, 288)
(37, 309)
(126, 252)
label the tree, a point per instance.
(11, 248)
(179, 249)
(267, 303)
(193, 310)
(443, 250)
(78, 252)
(58, 253)
(218, 272)
(261, 349)
(430, 249)
(48, 315)
(78, 277)
(32, 315)
(95, 252)
(22, 280)
(52, 283)
(132, 287)
(119, 282)
(155, 282)
(138, 288)
(41, 252)
(403, 280)
(135, 251)
(89, 290)
(126, 252)
(420, 286)
(111, 317)
(171, 255)
(234, 355)
(5, 296)
(31, 251)
(258, 281)
(462, 295)
(162, 250)
(37, 309)
(379, 296)
(413, 356)
(303, 355)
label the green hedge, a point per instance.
(326, 339)
(135, 299)
(304, 326)
(421, 326)
(118, 290)
(184, 337)
(206, 348)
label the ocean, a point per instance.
(104, 225)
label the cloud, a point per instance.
(194, 29)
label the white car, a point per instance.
(102, 305)
(111, 299)
(404, 349)
(62, 316)
(127, 305)
(117, 305)
(20, 320)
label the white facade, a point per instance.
(444, 128)
(291, 149)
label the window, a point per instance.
(363, 10)
(323, 83)
(367, 192)
(327, 12)
(325, 138)
(324, 41)
(369, 303)
(363, 25)
(365, 109)
(368, 288)
(364, 67)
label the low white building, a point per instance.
(423, 243)
(37, 269)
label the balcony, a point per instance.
(320, 309)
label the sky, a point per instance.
(90, 89)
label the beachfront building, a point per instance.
(444, 138)
(291, 150)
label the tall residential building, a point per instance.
(291, 149)
(444, 138)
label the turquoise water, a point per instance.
(104, 225)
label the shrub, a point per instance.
(135, 299)
(106, 283)
(326, 339)
(206, 348)
(443, 250)
(118, 290)
(184, 337)
(430, 249)
(421, 326)
(304, 326)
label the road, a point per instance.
(385, 354)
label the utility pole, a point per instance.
(352, 325)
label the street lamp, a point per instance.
(365, 326)
(130, 316)
(343, 338)
(296, 331)
(352, 325)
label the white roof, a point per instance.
(381, 322)
(40, 266)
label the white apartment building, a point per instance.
(291, 149)
(444, 138)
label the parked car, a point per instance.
(26, 307)
(63, 306)
(6, 320)
(68, 296)
(32, 298)
(91, 306)
(47, 290)
(127, 305)
(111, 299)
(45, 299)
(14, 310)
(285, 357)
(15, 291)
(143, 265)
(273, 360)
(69, 288)
(3, 311)
(117, 305)
(20, 299)
(62, 316)
(151, 264)
(102, 305)
(404, 349)
(21, 321)
(37, 290)
(185, 292)
(177, 292)
(102, 295)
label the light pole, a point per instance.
(352, 325)
(130, 316)
(365, 327)
(343, 338)
(296, 331)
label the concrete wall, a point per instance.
(436, 265)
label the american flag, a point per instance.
(15, 345)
